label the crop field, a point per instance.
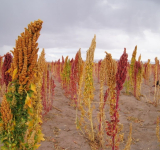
(76, 104)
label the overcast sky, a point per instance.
(71, 24)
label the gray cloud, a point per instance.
(70, 25)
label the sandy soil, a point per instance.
(60, 130)
(61, 133)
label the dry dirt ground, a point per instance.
(61, 133)
(60, 130)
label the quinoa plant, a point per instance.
(18, 130)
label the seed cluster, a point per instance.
(6, 112)
(25, 54)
